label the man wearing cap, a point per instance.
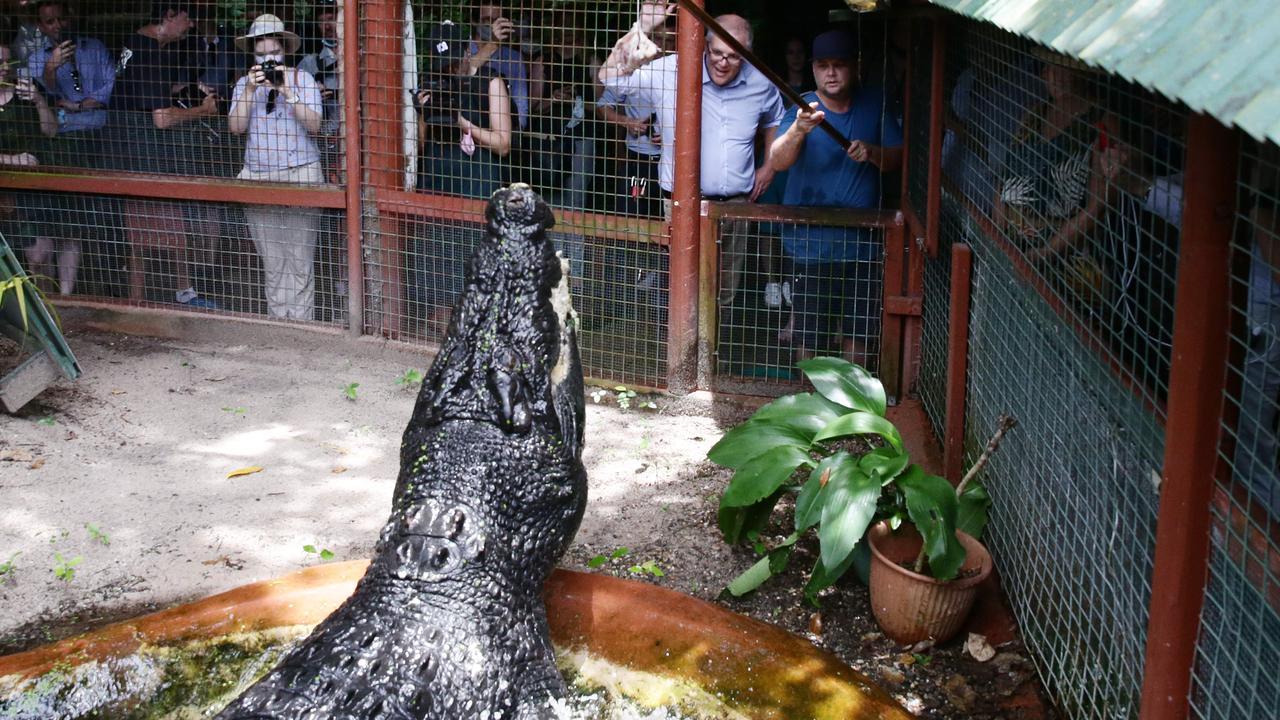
(739, 106)
(836, 288)
(279, 108)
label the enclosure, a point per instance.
(1132, 330)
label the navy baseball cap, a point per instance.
(835, 45)
(446, 44)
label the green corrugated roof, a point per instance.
(1220, 57)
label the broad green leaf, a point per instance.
(821, 578)
(847, 509)
(931, 504)
(806, 413)
(738, 522)
(971, 515)
(759, 477)
(745, 442)
(861, 423)
(812, 495)
(753, 578)
(842, 382)
(886, 463)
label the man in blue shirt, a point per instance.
(836, 289)
(78, 74)
(739, 105)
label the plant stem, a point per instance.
(1004, 424)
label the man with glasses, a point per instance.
(739, 106)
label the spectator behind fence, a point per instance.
(78, 74)
(1052, 191)
(561, 153)
(739, 106)
(26, 124)
(491, 49)
(796, 70)
(1256, 435)
(280, 108)
(836, 284)
(465, 123)
(158, 130)
(637, 191)
(323, 65)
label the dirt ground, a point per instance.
(121, 483)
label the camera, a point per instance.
(271, 69)
(441, 105)
(188, 96)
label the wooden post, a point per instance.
(957, 362)
(350, 76)
(682, 330)
(1197, 381)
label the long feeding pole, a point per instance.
(765, 70)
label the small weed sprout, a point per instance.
(324, 554)
(600, 560)
(8, 566)
(97, 534)
(350, 390)
(47, 421)
(598, 394)
(233, 410)
(410, 378)
(648, 567)
(65, 569)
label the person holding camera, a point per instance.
(79, 75)
(279, 107)
(492, 48)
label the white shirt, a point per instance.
(278, 141)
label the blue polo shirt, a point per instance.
(731, 116)
(824, 176)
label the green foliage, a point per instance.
(65, 569)
(8, 566)
(648, 567)
(801, 445)
(97, 534)
(350, 390)
(410, 378)
(47, 421)
(625, 397)
(324, 554)
(233, 410)
(600, 560)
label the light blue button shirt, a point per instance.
(732, 114)
(97, 79)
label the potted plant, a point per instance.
(845, 464)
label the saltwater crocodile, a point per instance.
(449, 621)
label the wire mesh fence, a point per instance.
(775, 309)
(1067, 184)
(1240, 622)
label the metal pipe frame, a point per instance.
(349, 74)
(957, 362)
(682, 332)
(1197, 382)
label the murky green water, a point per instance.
(198, 679)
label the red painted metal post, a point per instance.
(957, 362)
(1197, 378)
(892, 324)
(933, 193)
(382, 42)
(350, 74)
(682, 332)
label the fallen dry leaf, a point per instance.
(36, 464)
(244, 471)
(219, 378)
(338, 469)
(118, 392)
(979, 648)
(15, 455)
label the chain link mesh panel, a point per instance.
(774, 311)
(1067, 183)
(1239, 639)
(495, 93)
(284, 263)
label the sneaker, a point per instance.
(189, 298)
(773, 295)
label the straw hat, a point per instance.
(268, 26)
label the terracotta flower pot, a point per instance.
(911, 607)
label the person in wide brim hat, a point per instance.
(268, 26)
